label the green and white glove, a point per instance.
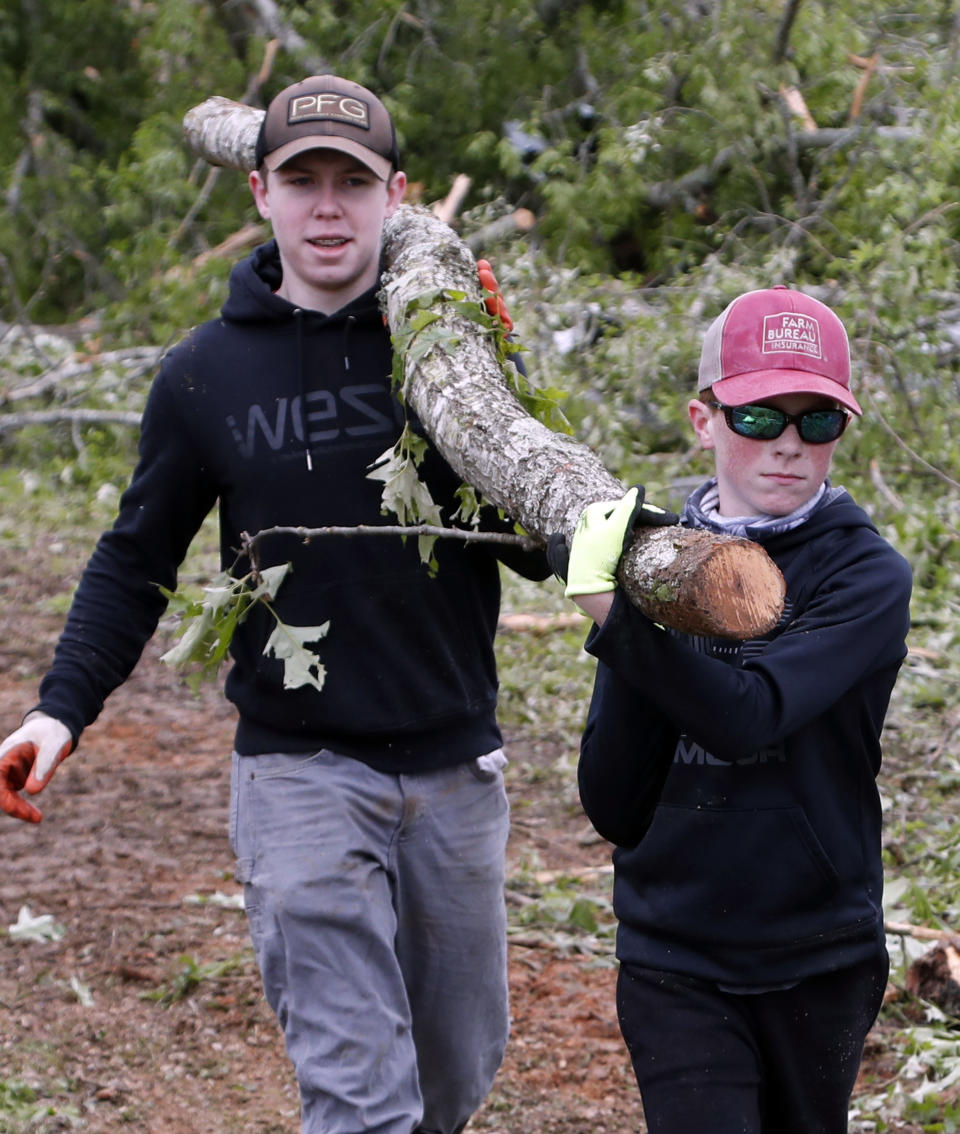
(601, 536)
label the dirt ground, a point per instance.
(147, 1013)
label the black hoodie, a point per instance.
(738, 778)
(278, 413)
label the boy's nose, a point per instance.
(790, 439)
(326, 201)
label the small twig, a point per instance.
(922, 932)
(270, 18)
(871, 62)
(244, 238)
(32, 128)
(206, 192)
(540, 623)
(856, 106)
(249, 542)
(448, 208)
(906, 448)
(582, 874)
(252, 91)
(797, 105)
(876, 477)
(781, 44)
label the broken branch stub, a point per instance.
(694, 581)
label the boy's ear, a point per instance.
(396, 188)
(701, 416)
(258, 187)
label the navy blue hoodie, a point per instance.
(738, 779)
(278, 413)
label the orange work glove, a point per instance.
(493, 302)
(28, 758)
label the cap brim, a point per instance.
(741, 389)
(380, 166)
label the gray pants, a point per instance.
(377, 915)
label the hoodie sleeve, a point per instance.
(529, 564)
(854, 625)
(118, 602)
(626, 752)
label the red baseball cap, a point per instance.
(776, 341)
(326, 112)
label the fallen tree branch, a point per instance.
(11, 421)
(242, 240)
(138, 359)
(922, 932)
(270, 19)
(701, 582)
(520, 220)
(685, 191)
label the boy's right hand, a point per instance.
(28, 759)
(601, 537)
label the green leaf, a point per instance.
(300, 665)
(404, 493)
(270, 579)
(469, 510)
(206, 628)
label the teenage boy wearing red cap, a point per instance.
(369, 818)
(737, 779)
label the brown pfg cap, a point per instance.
(330, 113)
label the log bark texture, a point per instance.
(694, 581)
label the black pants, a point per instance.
(766, 1063)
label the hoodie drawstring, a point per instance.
(301, 367)
(351, 319)
(298, 315)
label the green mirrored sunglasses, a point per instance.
(765, 423)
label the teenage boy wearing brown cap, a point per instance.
(369, 818)
(737, 779)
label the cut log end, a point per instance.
(743, 590)
(698, 583)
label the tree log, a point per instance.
(692, 580)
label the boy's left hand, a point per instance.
(601, 537)
(493, 303)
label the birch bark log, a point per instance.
(694, 581)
